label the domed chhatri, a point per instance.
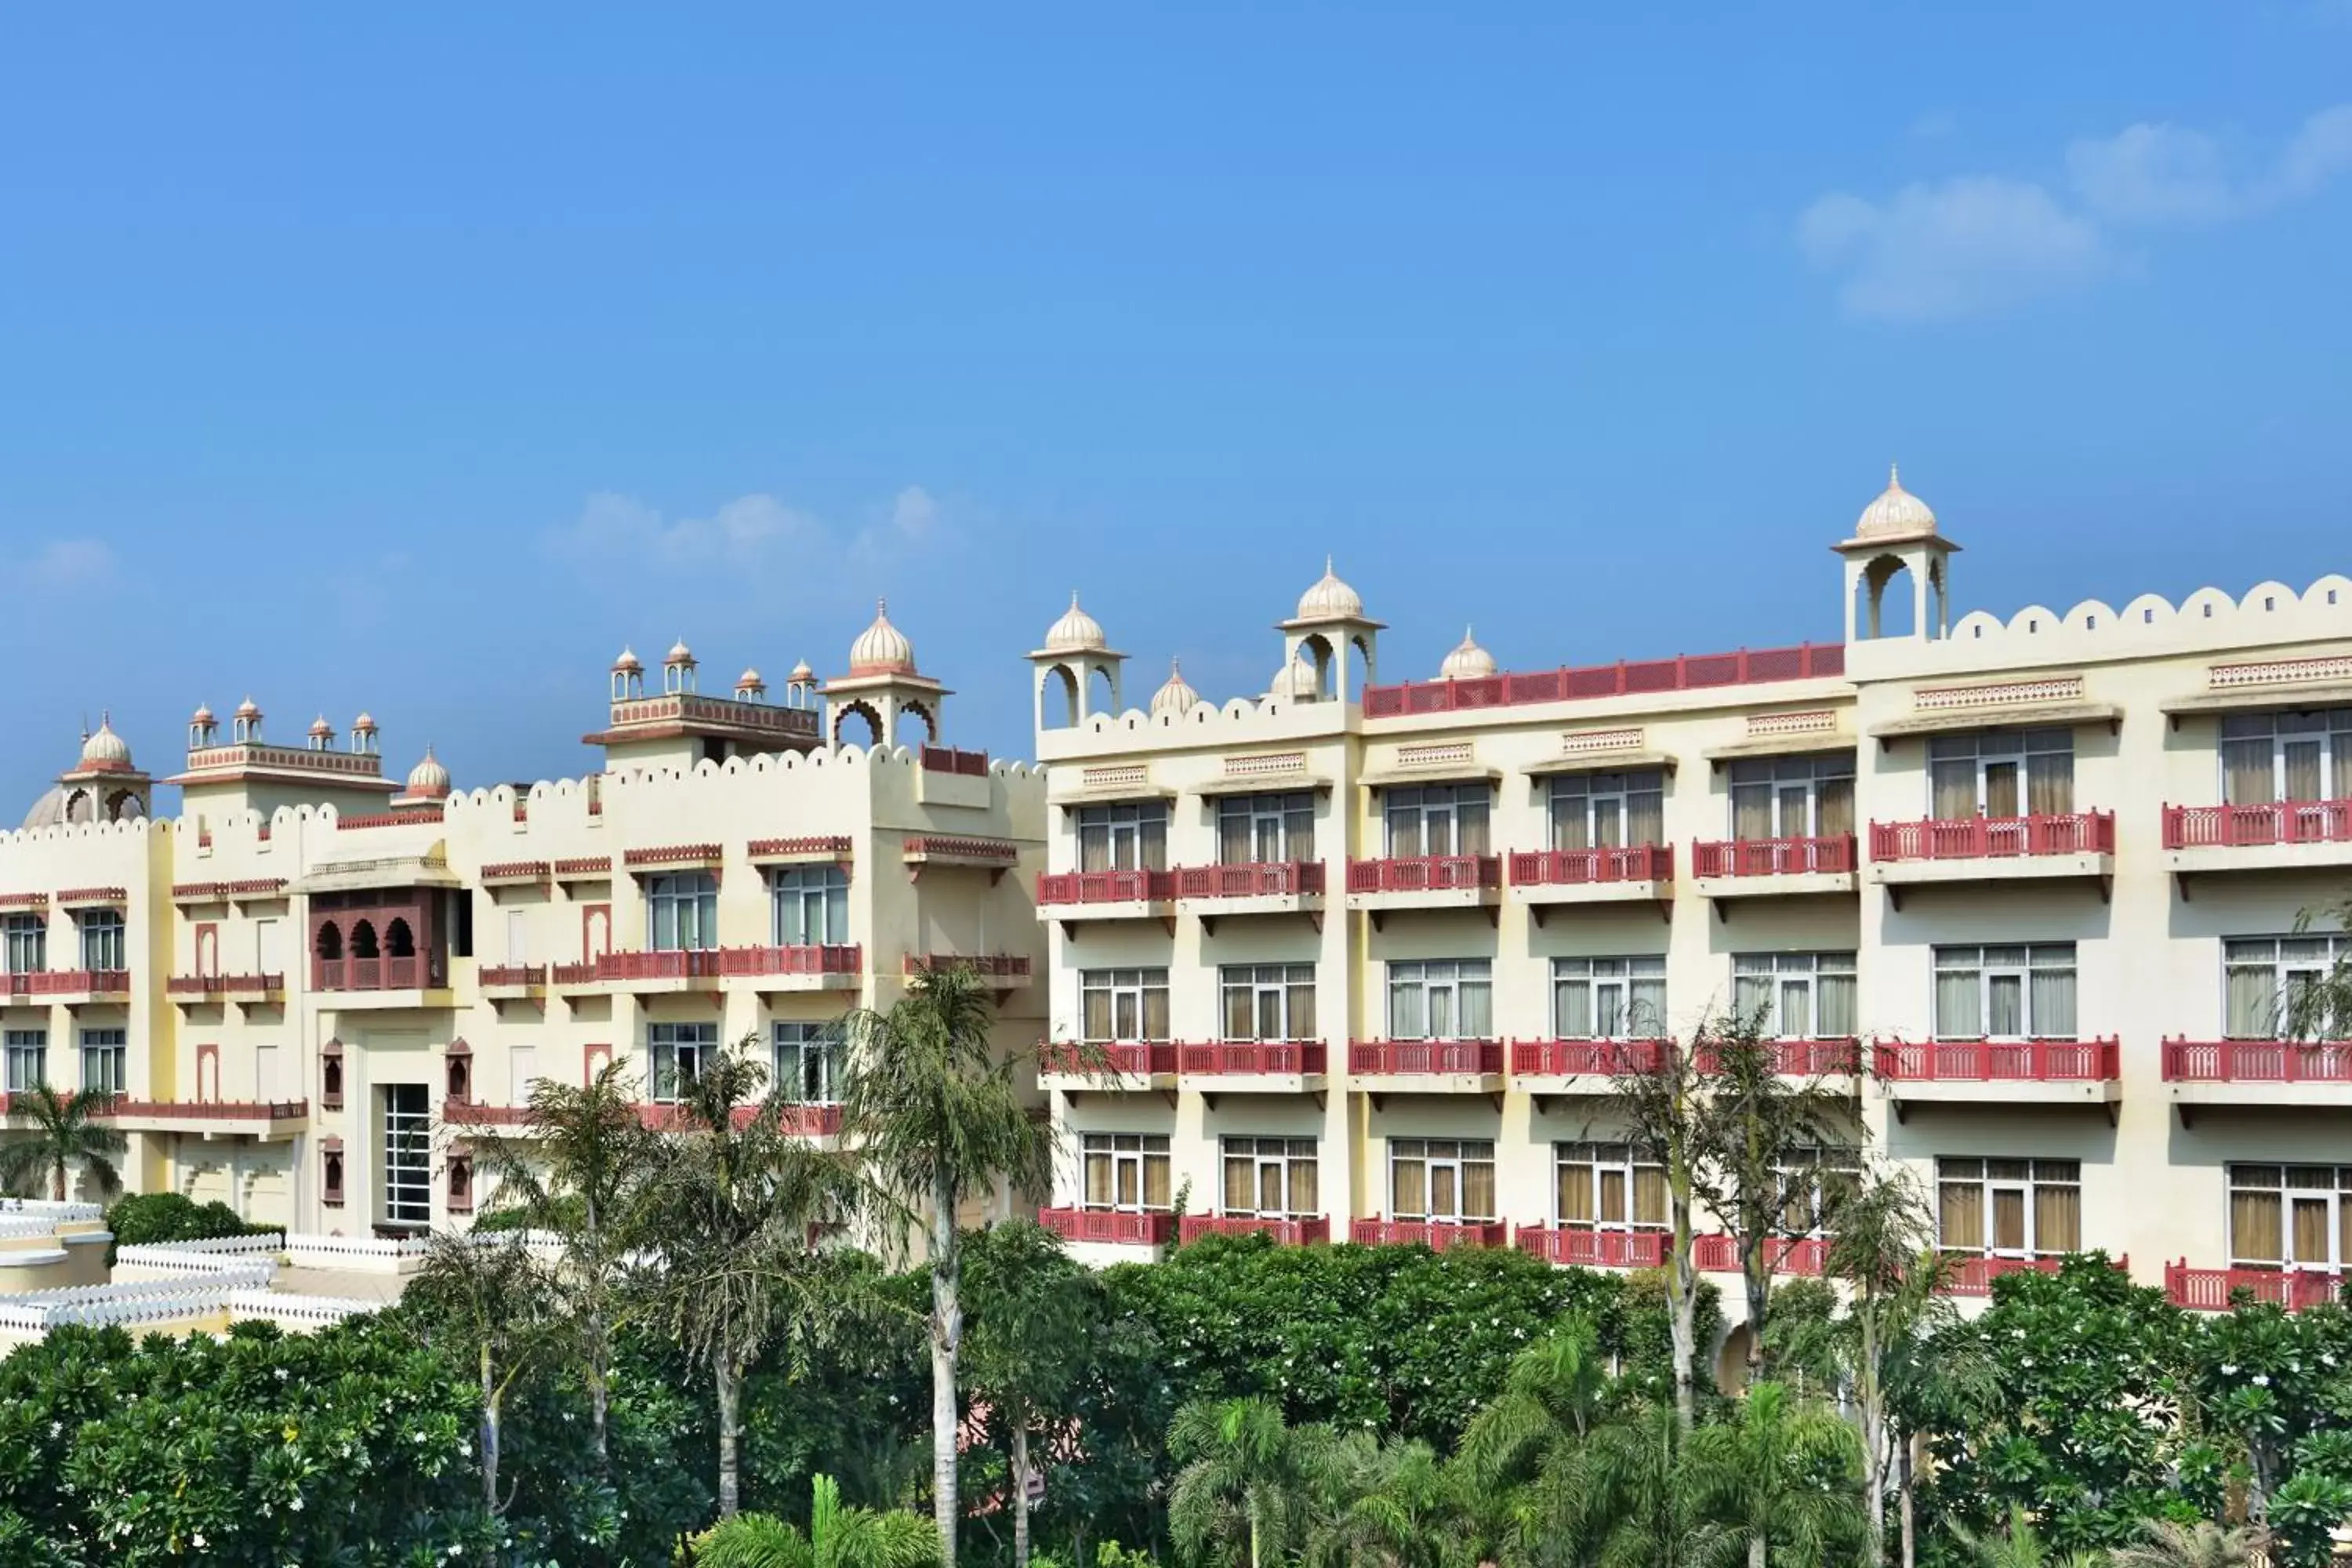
(1075, 632)
(248, 709)
(749, 683)
(1175, 697)
(106, 749)
(320, 730)
(1295, 682)
(203, 715)
(882, 648)
(1330, 599)
(628, 662)
(1468, 661)
(679, 653)
(1896, 513)
(363, 725)
(428, 780)
(802, 675)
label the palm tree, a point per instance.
(2020, 1546)
(580, 1173)
(1247, 1485)
(735, 1208)
(1780, 1475)
(1617, 1500)
(1030, 1325)
(64, 1135)
(1554, 1395)
(1398, 1507)
(938, 1114)
(484, 1297)
(2170, 1544)
(838, 1537)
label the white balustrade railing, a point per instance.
(263, 1244)
(50, 1209)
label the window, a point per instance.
(1793, 797)
(1442, 999)
(2268, 757)
(811, 906)
(1128, 837)
(1608, 998)
(2263, 975)
(1606, 811)
(1796, 996)
(1124, 1004)
(2291, 1216)
(679, 1052)
(1126, 1170)
(2005, 992)
(27, 1053)
(682, 913)
(1441, 1179)
(1268, 1001)
(1272, 1177)
(1443, 819)
(1606, 1186)
(2002, 773)
(102, 1061)
(2010, 1208)
(101, 939)
(26, 937)
(1265, 829)
(407, 1155)
(809, 1063)
(1816, 1180)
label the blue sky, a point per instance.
(416, 362)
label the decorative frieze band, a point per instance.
(1124, 776)
(1264, 765)
(1770, 726)
(1434, 754)
(2000, 694)
(2279, 672)
(1583, 742)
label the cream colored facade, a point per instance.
(2034, 948)
(313, 987)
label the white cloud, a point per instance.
(69, 563)
(1984, 242)
(750, 535)
(1932, 252)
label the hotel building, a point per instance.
(308, 993)
(2028, 892)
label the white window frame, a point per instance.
(1442, 1162)
(1603, 1161)
(2328, 1185)
(1438, 821)
(1782, 978)
(686, 904)
(1624, 996)
(1951, 1172)
(27, 1055)
(1465, 985)
(103, 938)
(1126, 1159)
(1132, 835)
(1130, 991)
(1792, 788)
(677, 1054)
(1271, 991)
(109, 1051)
(1275, 829)
(1986, 750)
(811, 1061)
(808, 906)
(1286, 1155)
(1815, 1178)
(2293, 962)
(26, 938)
(1602, 805)
(2328, 729)
(1996, 963)
(407, 1154)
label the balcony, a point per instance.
(1792, 1255)
(1313, 1231)
(71, 986)
(1252, 887)
(1690, 672)
(1437, 1235)
(1830, 1058)
(1581, 1067)
(1424, 882)
(1589, 1246)
(210, 1117)
(188, 990)
(1633, 873)
(1072, 895)
(1006, 968)
(800, 1121)
(2000, 1072)
(1427, 1067)
(1773, 868)
(1252, 1066)
(1972, 1274)
(789, 968)
(389, 982)
(472, 1113)
(512, 979)
(1126, 1068)
(2257, 1072)
(2055, 847)
(1109, 1227)
(2281, 836)
(2213, 1290)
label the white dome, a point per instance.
(203, 715)
(320, 730)
(363, 725)
(106, 749)
(881, 648)
(428, 779)
(1075, 632)
(248, 709)
(1330, 599)
(1175, 697)
(49, 811)
(1295, 682)
(1895, 514)
(802, 674)
(750, 681)
(679, 653)
(628, 662)
(1467, 662)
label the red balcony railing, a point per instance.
(224, 984)
(1586, 1247)
(1252, 880)
(1106, 887)
(1805, 1255)
(1829, 855)
(1972, 1274)
(951, 760)
(1313, 1231)
(1586, 1058)
(666, 964)
(1425, 874)
(1994, 837)
(2257, 1061)
(996, 965)
(714, 963)
(2248, 826)
(209, 1110)
(1125, 1058)
(1685, 673)
(830, 958)
(1795, 1058)
(1999, 1061)
(573, 974)
(468, 1113)
(514, 975)
(800, 1120)
(1117, 1227)
(1575, 868)
(1437, 1235)
(369, 974)
(2209, 1289)
(1391, 1058)
(1232, 1059)
(66, 982)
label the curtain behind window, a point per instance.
(1572, 819)
(1241, 1184)
(1645, 811)
(1305, 1197)
(1470, 819)
(2252, 1001)
(2057, 1219)
(2301, 769)
(1571, 1008)
(1955, 787)
(1751, 997)
(1155, 1181)
(1960, 1004)
(2311, 1237)
(1478, 1189)
(1405, 830)
(2050, 784)
(1751, 811)
(1408, 1015)
(1960, 1215)
(1408, 1187)
(1834, 805)
(1576, 1195)
(2054, 1004)
(1476, 1016)
(1649, 1194)
(1234, 845)
(1298, 995)
(1833, 1007)
(1155, 1013)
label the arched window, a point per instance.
(364, 943)
(330, 943)
(399, 941)
(461, 1079)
